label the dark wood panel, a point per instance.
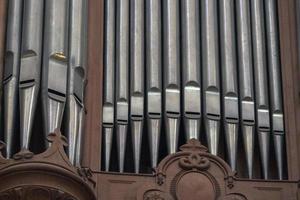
(92, 144)
(290, 77)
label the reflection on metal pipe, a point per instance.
(171, 72)
(211, 82)
(55, 63)
(11, 73)
(246, 87)
(275, 82)
(229, 79)
(191, 71)
(109, 79)
(154, 76)
(122, 79)
(30, 66)
(261, 83)
(76, 78)
(137, 78)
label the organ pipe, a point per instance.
(171, 72)
(11, 73)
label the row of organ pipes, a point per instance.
(45, 59)
(210, 61)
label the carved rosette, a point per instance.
(190, 171)
(45, 176)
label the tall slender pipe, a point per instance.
(55, 63)
(30, 66)
(275, 82)
(171, 72)
(154, 75)
(11, 73)
(122, 77)
(229, 79)
(211, 79)
(137, 77)
(76, 78)
(191, 67)
(109, 79)
(246, 87)
(261, 83)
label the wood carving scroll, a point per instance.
(192, 173)
(50, 175)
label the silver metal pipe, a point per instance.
(109, 79)
(261, 82)
(154, 75)
(191, 68)
(11, 73)
(137, 77)
(171, 72)
(210, 64)
(76, 78)
(55, 63)
(229, 79)
(246, 85)
(122, 77)
(275, 82)
(30, 66)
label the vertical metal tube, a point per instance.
(229, 79)
(171, 71)
(137, 77)
(30, 66)
(109, 79)
(246, 87)
(122, 77)
(55, 63)
(191, 67)
(154, 75)
(210, 64)
(275, 82)
(261, 83)
(76, 77)
(11, 72)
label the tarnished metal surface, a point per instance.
(76, 78)
(211, 77)
(30, 66)
(55, 63)
(11, 73)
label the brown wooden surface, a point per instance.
(92, 144)
(290, 77)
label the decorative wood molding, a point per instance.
(49, 174)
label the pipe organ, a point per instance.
(202, 69)
(45, 65)
(174, 70)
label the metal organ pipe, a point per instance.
(246, 85)
(261, 83)
(122, 77)
(171, 72)
(30, 66)
(191, 68)
(275, 82)
(55, 63)
(76, 79)
(137, 77)
(154, 76)
(11, 72)
(229, 78)
(211, 79)
(109, 79)
(184, 72)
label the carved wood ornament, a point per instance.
(46, 176)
